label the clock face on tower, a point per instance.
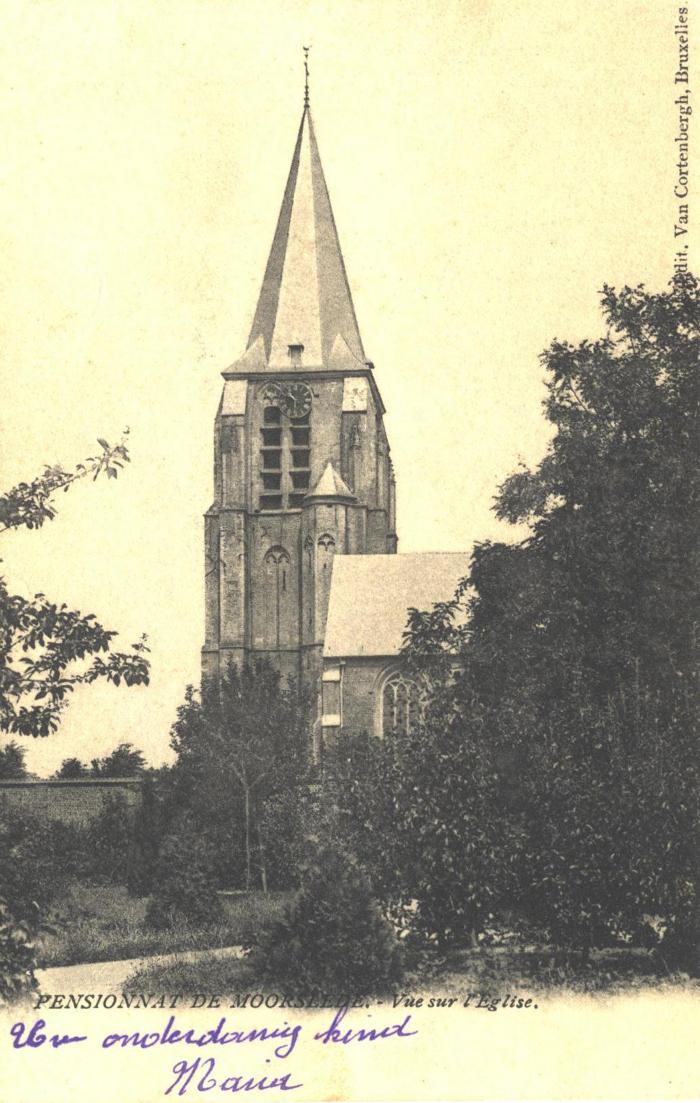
(296, 401)
(293, 398)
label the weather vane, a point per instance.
(306, 75)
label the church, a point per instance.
(301, 549)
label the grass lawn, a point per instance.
(490, 971)
(212, 975)
(103, 923)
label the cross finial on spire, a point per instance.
(306, 75)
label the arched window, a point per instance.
(326, 551)
(276, 567)
(401, 706)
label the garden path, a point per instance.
(109, 976)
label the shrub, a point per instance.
(32, 871)
(185, 882)
(334, 937)
(287, 819)
(110, 839)
(146, 840)
(17, 954)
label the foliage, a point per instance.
(146, 841)
(17, 954)
(573, 705)
(71, 769)
(45, 650)
(34, 865)
(242, 747)
(32, 861)
(124, 761)
(110, 840)
(12, 765)
(42, 643)
(334, 938)
(185, 885)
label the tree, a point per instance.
(124, 761)
(71, 769)
(43, 644)
(45, 652)
(577, 680)
(247, 740)
(12, 761)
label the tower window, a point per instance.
(300, 457)
(271, 437)
(272, 459)
(285, 453)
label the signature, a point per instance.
(185, 1073)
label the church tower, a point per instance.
(302, 471)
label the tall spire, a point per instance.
(305, 298)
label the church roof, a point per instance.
(371, 594)
(330, 485)
(305, 297)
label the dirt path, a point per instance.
(109, 976)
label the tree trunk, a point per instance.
(247, 838)
(263, 865)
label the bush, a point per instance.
(32, 865)
(146, 840)
(17, 954)
(334, 937)
(110, 840)
(185, 882)
(287, 819)
(33, 868)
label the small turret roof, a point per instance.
(331, 485)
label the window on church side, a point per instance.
(401, 705)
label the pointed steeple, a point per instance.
(305, 298)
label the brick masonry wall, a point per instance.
(361, 680)
(74, 802)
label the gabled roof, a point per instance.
(305, 297)
(371, 595)
(331, 485)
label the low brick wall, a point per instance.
(75, 802)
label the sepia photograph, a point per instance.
(349, 565)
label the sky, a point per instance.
(490, 167)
